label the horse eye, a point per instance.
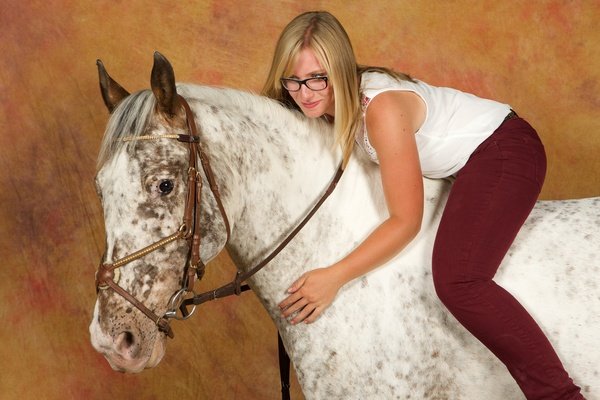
(165, 186)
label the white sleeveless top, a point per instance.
(455, 122)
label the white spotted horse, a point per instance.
(186, 171)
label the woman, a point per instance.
(413, 129)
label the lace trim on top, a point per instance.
(362, 136)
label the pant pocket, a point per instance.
(524, 157)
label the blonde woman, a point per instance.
(412, 129)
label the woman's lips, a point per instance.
(311, 105)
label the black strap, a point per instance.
(284, 369)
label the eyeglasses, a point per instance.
(314, 84)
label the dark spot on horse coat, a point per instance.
(146, 211)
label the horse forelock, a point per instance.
(129, 119)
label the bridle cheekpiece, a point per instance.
(108, 274)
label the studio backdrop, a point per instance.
(541, 57)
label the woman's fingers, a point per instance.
(294, 296)
(297, 285)
(288, 301)
(294, 307)
(312, 317)
(307, 311)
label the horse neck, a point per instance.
(271, 163)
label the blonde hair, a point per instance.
(322, 33)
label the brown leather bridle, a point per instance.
(107, 275)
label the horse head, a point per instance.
(155, 212)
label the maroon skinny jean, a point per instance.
(492, 196)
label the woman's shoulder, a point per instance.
(375, 83)
(373, 80)
(397, 107)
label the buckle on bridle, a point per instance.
(188, 138)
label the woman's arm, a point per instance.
(392, 119)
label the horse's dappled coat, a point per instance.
(386, 335)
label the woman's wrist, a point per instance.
(340, 273)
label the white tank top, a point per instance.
(455, 122)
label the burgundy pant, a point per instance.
(492, 196)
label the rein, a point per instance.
(235, 286)
(108, 274)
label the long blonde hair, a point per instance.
(324, 35)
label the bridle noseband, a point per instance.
(107, 275)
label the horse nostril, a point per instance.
(125, 344)
(129, 339)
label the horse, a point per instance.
(386, 335)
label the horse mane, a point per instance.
(249, 103)
(131, 116)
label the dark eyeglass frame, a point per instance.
(305, 82)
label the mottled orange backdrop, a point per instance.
(542, 57)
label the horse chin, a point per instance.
(158, 352)
(121, 364)
(126, 366)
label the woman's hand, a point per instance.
(311, 294)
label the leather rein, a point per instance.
(107, 275)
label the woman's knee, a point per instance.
(444, 283)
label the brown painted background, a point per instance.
(542, 57)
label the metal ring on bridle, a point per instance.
(175, 303)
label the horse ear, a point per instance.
(163, 85)
(112, 92)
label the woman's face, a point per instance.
(313, 103)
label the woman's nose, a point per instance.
(305, 92)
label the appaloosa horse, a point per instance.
(386, 336)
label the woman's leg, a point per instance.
(489, 202)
